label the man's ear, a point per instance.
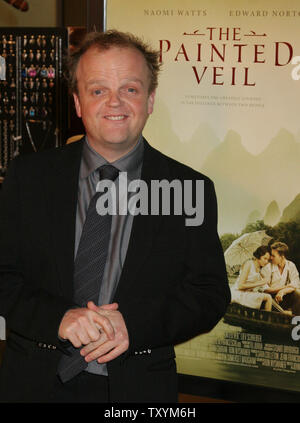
(151, 100)
(77, 104)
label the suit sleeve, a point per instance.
(29, 311)
(197, 302)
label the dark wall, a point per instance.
(88, 13)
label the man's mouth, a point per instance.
(119, 117)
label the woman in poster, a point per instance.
(249, 286)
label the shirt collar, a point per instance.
(276, 267)
(130, 162)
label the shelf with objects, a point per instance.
(33, 94)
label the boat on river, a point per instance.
(258, 320)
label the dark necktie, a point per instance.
(89, 269)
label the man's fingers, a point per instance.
(88, 348)
(93, 345)
(75, 341)
(85, 328)
(82, 325)
(83, 336)
(100, 330)
(106, 351)
(101, 350)
(112, 306)
(92, 306)
(114, 353)
(93, 331)
(104, 323)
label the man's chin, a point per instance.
(121, 143)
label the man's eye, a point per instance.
(131, 90)
(97, 92)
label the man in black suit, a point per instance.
(76, 336)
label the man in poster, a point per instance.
(283, 277)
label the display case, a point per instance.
(33, 93)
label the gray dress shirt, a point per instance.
(121, 223)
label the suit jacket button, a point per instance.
(149, 351)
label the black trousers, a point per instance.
(83, 388)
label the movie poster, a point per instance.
(228, 105)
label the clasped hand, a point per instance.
(101, 330)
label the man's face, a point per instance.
(275, 257)
(113, 99)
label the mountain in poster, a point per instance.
(253, 217)
(272, 214)
(292, 211)
(262, 184)
(201, 142)
(245, 182)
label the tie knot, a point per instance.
(108, 172)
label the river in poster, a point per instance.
(228, 105)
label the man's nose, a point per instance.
(114, 99)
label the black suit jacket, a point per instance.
(173, 284)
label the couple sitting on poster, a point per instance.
(267, 280)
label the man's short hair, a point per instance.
(281, 248)
(106, 40)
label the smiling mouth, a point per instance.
(116, 118)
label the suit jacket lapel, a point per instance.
(144, 228)
(63, 206)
